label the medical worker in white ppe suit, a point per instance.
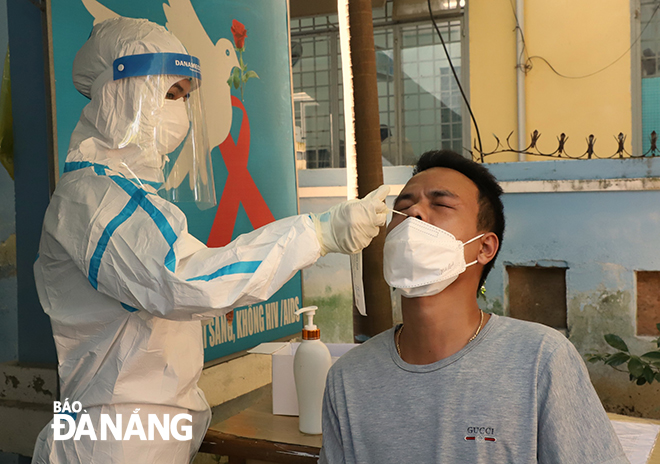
(124, 283)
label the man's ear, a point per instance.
(489, 246)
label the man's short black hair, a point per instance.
(491, 210)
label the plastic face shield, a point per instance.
(168, 124)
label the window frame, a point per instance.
(636, 76)
(332, 32)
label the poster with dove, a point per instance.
(243, 47)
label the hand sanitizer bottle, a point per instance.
(310, 369)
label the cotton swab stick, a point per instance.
(398, 212)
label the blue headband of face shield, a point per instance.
(150, 64)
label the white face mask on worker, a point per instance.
(420, 259)
(172, 126)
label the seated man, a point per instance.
(453, 384)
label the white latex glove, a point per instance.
(350, 226)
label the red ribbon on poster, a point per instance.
(239, 188)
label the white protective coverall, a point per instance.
(126, 286)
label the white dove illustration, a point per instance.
(216, 60)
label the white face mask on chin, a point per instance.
(420, 259)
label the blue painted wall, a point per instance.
(602, 238)
(8, 278)
(32, 188)
(8, 304)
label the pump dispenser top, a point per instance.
(310, 331)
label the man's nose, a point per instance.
(417, 211)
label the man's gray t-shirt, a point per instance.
(518, 393)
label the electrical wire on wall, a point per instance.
(458, 81)
(528, 65)
(519, 61)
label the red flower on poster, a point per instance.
(240, 33)
(240, 75)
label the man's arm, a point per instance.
(333, 449)
(573, 426)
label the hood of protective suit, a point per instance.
(116, 127)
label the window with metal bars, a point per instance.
(650, 52)
(418, 100)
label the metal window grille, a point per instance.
(431, 99)
(650, 69)
(650, 39)
(419, 102)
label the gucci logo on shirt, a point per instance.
(480, 434)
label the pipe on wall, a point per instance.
(520, 78)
